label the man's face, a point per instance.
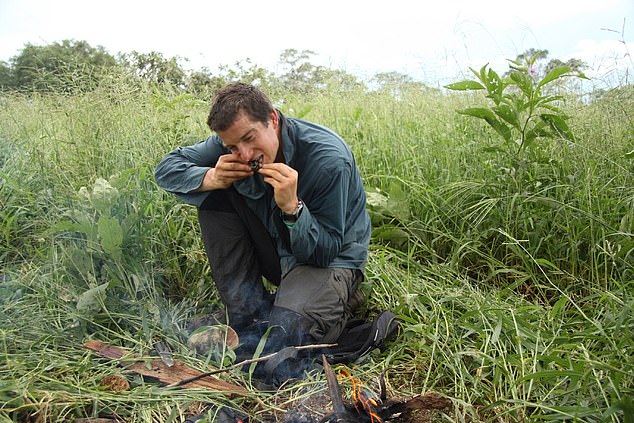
(250, 140)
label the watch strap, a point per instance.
(292, 217)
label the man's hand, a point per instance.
(283, 179)
(228, 170)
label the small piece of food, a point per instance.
(256, 164)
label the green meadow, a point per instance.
(512, 269)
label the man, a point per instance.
(281, 198)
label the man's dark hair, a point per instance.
(232, 99)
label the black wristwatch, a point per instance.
(292, 217)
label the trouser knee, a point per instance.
(322, 295)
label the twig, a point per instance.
(242, 363)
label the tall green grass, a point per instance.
(514, 275)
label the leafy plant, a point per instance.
(389, 212)
(524, 109)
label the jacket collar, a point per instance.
(287, 131)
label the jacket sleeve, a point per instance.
(182, 170)
(318, 235)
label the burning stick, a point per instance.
(367, 409)
(333, 388)
(341, 413)
(362, 404)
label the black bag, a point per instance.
(360, 336)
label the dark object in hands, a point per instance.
(256, 164)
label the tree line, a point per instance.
(70, 66)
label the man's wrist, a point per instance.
(294, 215)
(293, 209)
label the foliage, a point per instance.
(154, 67)
(523, 110)
(74, 65)
(301, 76)
(298, 73)
(513, 273)
(396, 83)
(6, 76)
(242, 71)
(54, 66)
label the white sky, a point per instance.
(435, 42)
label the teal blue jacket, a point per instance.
(333, 229)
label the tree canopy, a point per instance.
(71, 65)
(56, 65)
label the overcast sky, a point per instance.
(435, 42)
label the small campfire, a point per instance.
(365, 409)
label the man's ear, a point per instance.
(275, 119)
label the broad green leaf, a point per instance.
(559, 307)
(465, 85)
(103, 196)
(523, 82)
(91, 301)
(529, 138)
(545, 263)
(489, 116)
(581, 75)
(554, 74)
(501, 129)
(392, 235)
(558, 125)
(111, 236)
(518, 66)
(555, 110)
(508, 114)
(537, 131)
(549, 99)
(495, 86)
(479, 112)
(65, 226)
(482, 75)
(376, 200)
(493, 75)
(398, 204)
(82, 223)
